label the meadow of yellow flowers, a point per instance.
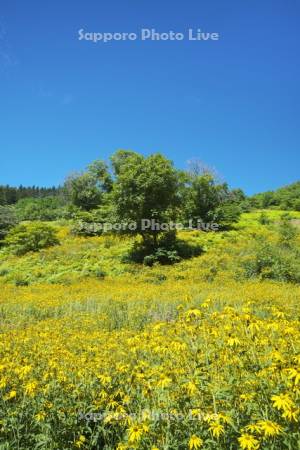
(97, 353)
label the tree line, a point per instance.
(285, 198)
(10, 195)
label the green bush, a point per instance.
(8, 220)
(226, 215)
(4, 272)
(264, 219)
(287, 232)
(90, 223)
(86, 229)
(19, 281)
(274, 263)
(169, 250)
(287, 197)
(162, 256)
(30, 237)
(47, 208)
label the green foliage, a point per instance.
(119, 158)
(264, 219)
(87, 190)
(287, 198)
(10, 195)
(162, 256)
(287, 233)
(168, 250)
(91, 223)
(142, 253)
(202, 196)
(86, 229)
(275, 262)
(8, 220)
(209, 201)
(30, 237)
(145, 189)
(296, 204)
(226, 215)
(21, 281)
(45, 209)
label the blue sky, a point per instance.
(233, 103)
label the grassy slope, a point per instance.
(194, 335)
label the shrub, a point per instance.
(95, 271)
(8, 220)
(162, 256)
(287, 233)
(19, 281)
(226, 215)
(274, 263)
(90, 223)
(264, 219)
(30, 237)
(47, 208)
(187, 250)
(100, 273)
(86, 229)
(4, 272)
(169, 250)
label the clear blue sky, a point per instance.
(232, 103)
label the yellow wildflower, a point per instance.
(269, 428)
(195, 442)
(30, 388)
(282, 401)
(248, 442)
(10, 395)
(216, 429)
(136, 432)
(40, 416)
(80, 441)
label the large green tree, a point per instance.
(145, 189)
(207, 200)
(87, 190)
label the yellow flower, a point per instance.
(294, 375)
(23, 371)
(192, 313)
(105, 379)
(291, 414)
(253, 428)
(195, 442)
(136, 432)
(269, 428)
(254, 327)
(40, 416)
(30, 388)
(248, 442)
(191, 388)
(282, 401)
(81, 440)
(3, 383)
(232, 341)
(164, 381)
(247, 397)
(225, 419)
(122, 446)
(10, 395)
(216, 429)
